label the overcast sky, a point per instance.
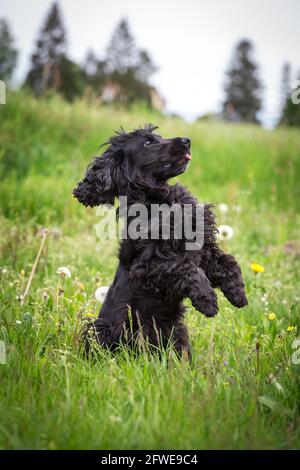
(191, 41)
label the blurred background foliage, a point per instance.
(123, 75)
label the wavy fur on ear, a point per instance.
(109, 175)
(99, 185)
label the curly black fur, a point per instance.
(154, 276)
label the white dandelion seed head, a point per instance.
(225, 232)
(100, 293)
(223, 208)
(63, 271)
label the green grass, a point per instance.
(233, 396)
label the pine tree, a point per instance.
(90, 63)
(145, 67)
(121, 53)
(95, 72)
(50, 51)
(285, 83)
(8, 53)
(242, 87)
(128, 67)
(291, 110)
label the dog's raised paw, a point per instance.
(206, 305)
(238, 299)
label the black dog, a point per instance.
(155, 275)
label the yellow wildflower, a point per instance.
(257, 268)
(291, 328)
(272, 316)
(90, 315)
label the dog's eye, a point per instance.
(147, 143)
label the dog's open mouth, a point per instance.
(186, 159)
(180, 162)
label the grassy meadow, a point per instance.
(242, 390)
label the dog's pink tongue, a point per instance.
(188, 156)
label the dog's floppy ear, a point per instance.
(99, 185)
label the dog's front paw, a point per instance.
(207, 305)
(237, 298)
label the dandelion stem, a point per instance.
(257, 349)
(23, 298)
(57, 296)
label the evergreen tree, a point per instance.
(127, 66)
(90, 64)
(8, 53)
(242, 87)
(145, 67)
(121, 53)
(73, 80)
(45, 72)
(285, 83)
(95, 72)
(291, 110)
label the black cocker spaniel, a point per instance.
(156, 273)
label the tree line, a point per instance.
(123, 74)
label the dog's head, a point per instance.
(138, 158)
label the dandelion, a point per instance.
(291, 328)
(91, 315)
(22, 273)
(79, 285)
(272, 316)
(257, 268)
(45, 296)
(100, 293)
(223, 208)
(18, 322)
(64, 272)
(225, 232)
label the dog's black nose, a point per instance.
(186, 141)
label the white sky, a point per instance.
(191, 41)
